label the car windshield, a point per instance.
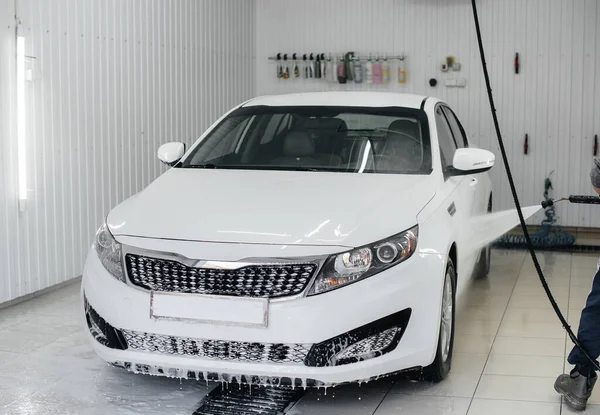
(338, 139)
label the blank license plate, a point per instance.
(248, 312)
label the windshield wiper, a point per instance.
(202, 166)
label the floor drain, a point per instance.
(248, 401)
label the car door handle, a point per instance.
(474, 182)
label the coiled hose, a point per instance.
(548, 236)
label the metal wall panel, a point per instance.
(555, 99)
(112, 81)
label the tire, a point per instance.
(439, 369)
(482, 268)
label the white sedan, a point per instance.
(307, 239)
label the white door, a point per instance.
(460, 194)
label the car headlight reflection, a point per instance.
(361, 263)
(109, 252)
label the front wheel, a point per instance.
(440, 367)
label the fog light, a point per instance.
(368, 348)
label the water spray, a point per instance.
(572, 199)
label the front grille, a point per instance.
(217, 349)
(259, 281)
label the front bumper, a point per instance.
(408, 294)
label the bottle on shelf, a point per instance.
(385, 71)
(358, 70)
(377, 71)
(401, 71)
(369, 71)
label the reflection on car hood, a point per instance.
(273, 207)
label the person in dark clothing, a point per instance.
(577, 386)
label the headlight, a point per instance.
(360, 263)
(109, 252)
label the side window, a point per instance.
(445, 138)
(457, 130)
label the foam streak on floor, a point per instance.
(509, 349)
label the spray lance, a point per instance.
(586, 200)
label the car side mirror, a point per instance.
(171, 153)
(472, 161)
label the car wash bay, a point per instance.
(90, 90)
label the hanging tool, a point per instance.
(279, 66)
(323, 67)
(348, 67)
(305, 64)
(341, 71)
(596, 145)
(526, 145)
(296, 71)
(517, 63)
(311, 66)
(401, 71)
(286, 69)
(318, 67)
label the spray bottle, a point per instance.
(401, 71)
(333, 71)
(286, 69)
(296, 70)
(377, 71)
(318, 67)
(358, 71)
(305, 66)
(385, 70)
(369, 71)
(341, 71)
(279, 66)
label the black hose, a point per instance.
(513, 189)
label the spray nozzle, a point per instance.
(547, 203)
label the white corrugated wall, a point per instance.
(555, 99)
(112, 80)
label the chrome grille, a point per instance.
(262, 281)
(217, 349)
(370, 345)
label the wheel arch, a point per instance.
(454, 257)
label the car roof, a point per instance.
(340, 99)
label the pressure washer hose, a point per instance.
(513, 189)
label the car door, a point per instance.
(460, 191)
(475, 181)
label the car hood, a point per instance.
(273, 207)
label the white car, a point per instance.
(307, 239)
